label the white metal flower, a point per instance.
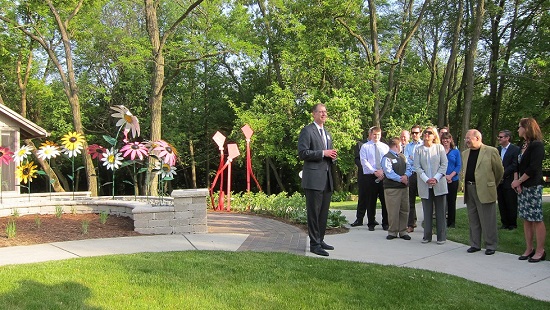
(167, 171)
(127, 119)
(47, 152)
(22, 154)
(112, 159)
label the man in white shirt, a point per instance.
(507, 197)
(371, 154)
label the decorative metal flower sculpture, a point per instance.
(166, 152)
(73, 143)
(126, 119)
(47, 151)
(134, 149)
(96, 151)
(26, 172)
(22, 154)
(5, 159)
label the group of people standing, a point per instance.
(428, 164)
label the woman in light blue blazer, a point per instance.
(430, 164)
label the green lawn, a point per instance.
(240, 280)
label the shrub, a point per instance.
(281, 205)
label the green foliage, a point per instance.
(85, 225)
(15, 213)
(37, 221)
(103, 217)
(282, 205)
(11, 229)
(341, 196)
(58, 211)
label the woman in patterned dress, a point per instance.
(528, 184)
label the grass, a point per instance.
(509, 241)
(240, 280)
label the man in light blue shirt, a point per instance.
(397, 171)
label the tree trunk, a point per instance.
(443, 100)
(193, 164)
(469, 67)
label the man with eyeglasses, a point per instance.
(416, 136)
(316, 150)
(507, 196)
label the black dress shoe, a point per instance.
(385, 226)
(390, 237)
(536, 260)
(489, 252)
(325, 246)
(319, 251)
(371, 227)
(473, 250)
(357, 223)
(406, 237)
(526, 257)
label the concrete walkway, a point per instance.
(233, 232)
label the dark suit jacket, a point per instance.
(316, 167)
(510, 163)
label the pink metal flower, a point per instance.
(5, 155)
(134, 149)
(166, 152)
(96, 151)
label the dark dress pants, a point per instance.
(361, 196)
(317, 205)
(507, 206)
(413, 192)
(375, 191)
(451, 202)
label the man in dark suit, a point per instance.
(507, 196)
(315, 149)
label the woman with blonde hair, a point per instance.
(430, 164)
(528, 184)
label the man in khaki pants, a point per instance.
(397, 171)
(482, 169)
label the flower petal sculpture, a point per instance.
(127, 119)
(96, 151)
(73, 143)
(112, 159)
(166, 152)
(22, 154)
(134, 149)
(167, 171)
(25, 173)
(47, 152)
(5, 155)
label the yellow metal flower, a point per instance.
(73, 143)
(25, 173)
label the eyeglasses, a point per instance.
(322, 112)
(428, 133)
(415, 132)
(501, 137)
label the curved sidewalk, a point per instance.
(236, 232)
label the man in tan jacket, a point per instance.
(483, 171)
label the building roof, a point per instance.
(28, 129)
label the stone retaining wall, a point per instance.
(182, 213)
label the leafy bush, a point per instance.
(281, 205)
(341, 196)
